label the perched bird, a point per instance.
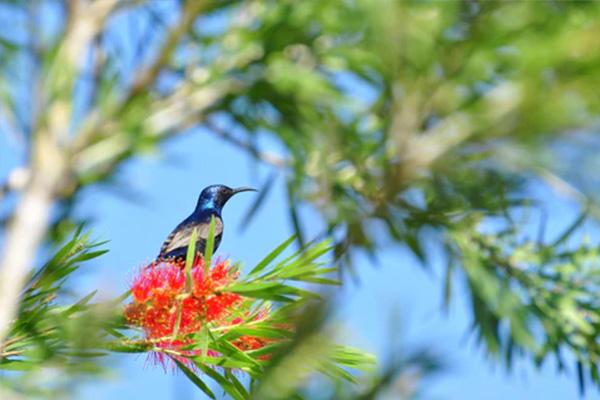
(210, 203)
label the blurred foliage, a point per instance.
(533, 298)
(401, 122)
(54, 337)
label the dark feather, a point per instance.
(177, 242)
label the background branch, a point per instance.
(49, 170)
(245, 145)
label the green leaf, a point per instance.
(189, 261)
(569, 231)
(194, 378)
(79, 305)
(238, 385)
(320, 281)
(223, 362)
(580, 378)
(89, 256)
(294, 215)
(17, 365)
(122, 297)
(265, 331)
(448, 286)
(271, 256)
(242, 288)
(210, 245)
(178, 320)
(229, 387)
(202, 341)
(267, 350)
(335, 372)
(62, 253)
(120, 347)
(85, 354)
(353, 358)
(230, 350)
(270, 291)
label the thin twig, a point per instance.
(144, 79)
(561, 186)
(11, 353)
(98, 64)
(268, 158)
(148, 76)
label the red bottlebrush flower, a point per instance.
(168, 313)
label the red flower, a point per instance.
(169, 312)
(252, 342)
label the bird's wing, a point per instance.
(180, 237)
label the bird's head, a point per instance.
(215, 196)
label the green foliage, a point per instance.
(54, 332)
(402, 122)
(373, 99)
(302, 266)
(431, 119)
(530, 297)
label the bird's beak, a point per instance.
(243, 189)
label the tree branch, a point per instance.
(16, 182)
(148, 76)
(144, 79)
(245, 145)
(49, 170)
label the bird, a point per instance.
(210, 204)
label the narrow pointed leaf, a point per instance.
(259, 201)
(189, 261)
(195, 379)
(567, 232)
(271, 256)
(210, 244)
(223, 382)
(238, 385)
(80, 304)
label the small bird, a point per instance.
(210, 204)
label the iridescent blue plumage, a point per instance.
(210, 204)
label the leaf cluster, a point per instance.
(281, 315)
(532, 298)
(52, 331)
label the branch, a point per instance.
(245, 145)
(49, 170)
(165, 118)
(92, 132)
(16, 182)
(23, 238)
(561, 186)
(148, 76)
